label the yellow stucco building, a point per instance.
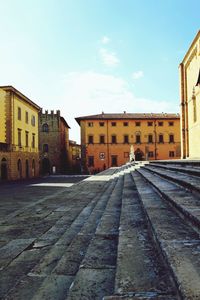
(19, 156)
(190, 101)
(108, 139)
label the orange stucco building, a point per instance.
(107, 139)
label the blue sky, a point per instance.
(88, 56)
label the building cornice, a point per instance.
(10, 88)
(190, 48)
(129, 116)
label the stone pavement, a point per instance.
(126, 233)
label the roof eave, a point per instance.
(22, 96)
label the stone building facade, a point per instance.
(190, 100)
(108, 139)
(53, 143)
(19, 156)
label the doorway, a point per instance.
(4, 169)
(138, 155)
(45, 166)
(19, 168)
(27, 168)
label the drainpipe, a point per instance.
(155, 140)
(108, 154)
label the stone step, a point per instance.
(140, 267)
(184, 201)
(96, 274)
(178, 242)
(69, 260)
(140, 296)
(190, 182)
(40, 273)
(187, 169)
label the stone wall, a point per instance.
(28, 169)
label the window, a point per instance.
(90, 124)
(171, 138)
(33, 140)
(138, 140)
(150, 154)
(113, 139)
(150, 138)
(171, 123)
(114, 160)
(45, 127)
(45, 148)
(102, 139)
(160, 123)
(19, 137)
(90, 161)
(125, 124)
(126, 154)
(160, 138)
(101, 124)
(171, 154)
(19, 113)
(26, 138)
(113, 124)
(126, 139)
(33, 120)
(90, 139)
(137, 123)
(194, 109)
(26, 117)
(150, 123)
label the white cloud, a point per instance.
(91, 93)
(108, 58)
(138, 75)
(105, 40)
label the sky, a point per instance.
(83, 57)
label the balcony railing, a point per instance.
(23, 148)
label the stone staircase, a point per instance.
(126, 233)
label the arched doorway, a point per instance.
(4, 169)
(45, 166)
(139, 155)
(27, 168)
(19, 168)
(33, 168)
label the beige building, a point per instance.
(190, 101)
(19, 157)
(74, 157)
(107, 139)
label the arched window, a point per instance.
(45, 148)
(19, 168)
(45, 127)
(33, 167)
(27, 168)
(3, 170)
